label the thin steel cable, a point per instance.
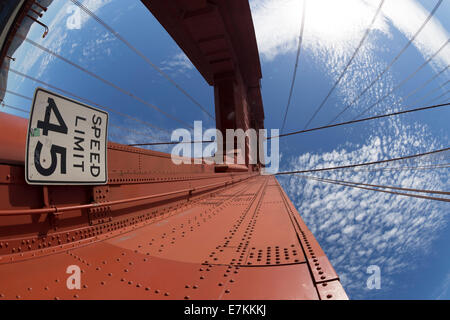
(139, 53)
(364, 164)
(347, 66)
(361, 120)
(389, 187)
(442, 95)
(300, 40)
(429, 167)
(425, 84)
(390, 64)
(140, 133)
(109, 124)
(16, 94)
(88, 101)
(347, 184)
(14, 108)
(107, 82)
(168, 143)
(412, 75)
(417, 101)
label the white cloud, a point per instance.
(430, 39)
(363, 228)
(130, 132)
(337, 26)
(329, 24)
(443, 292)
(58, 35)
(179, 63)
(332, 31)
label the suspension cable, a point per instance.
(168, 143)
(365, 164)
(361, 186)
(14, 108)
(16, 94)
(442, 95)
(405, 80)
(89, 101)
(431, 92)
(139, 53)
(390, 187)
(433, 166)
(425, 84)
(361, 120)
(140, 133)
(347, 66)
(107, 82)
(300, 40)
(390, 64)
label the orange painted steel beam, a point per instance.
(216, 247)
(218, 37)
(58, 210)
(13, 138)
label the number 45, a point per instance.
(46, 126)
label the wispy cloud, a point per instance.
(59, 36)
(443, 291)
(179, 63)
(129, 132)
(336, 26)
(359, 228)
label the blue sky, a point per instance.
(407, 238)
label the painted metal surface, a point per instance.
(241, 241)
(219, 38)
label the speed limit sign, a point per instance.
(66, 142)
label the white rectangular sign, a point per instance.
(66, 142)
